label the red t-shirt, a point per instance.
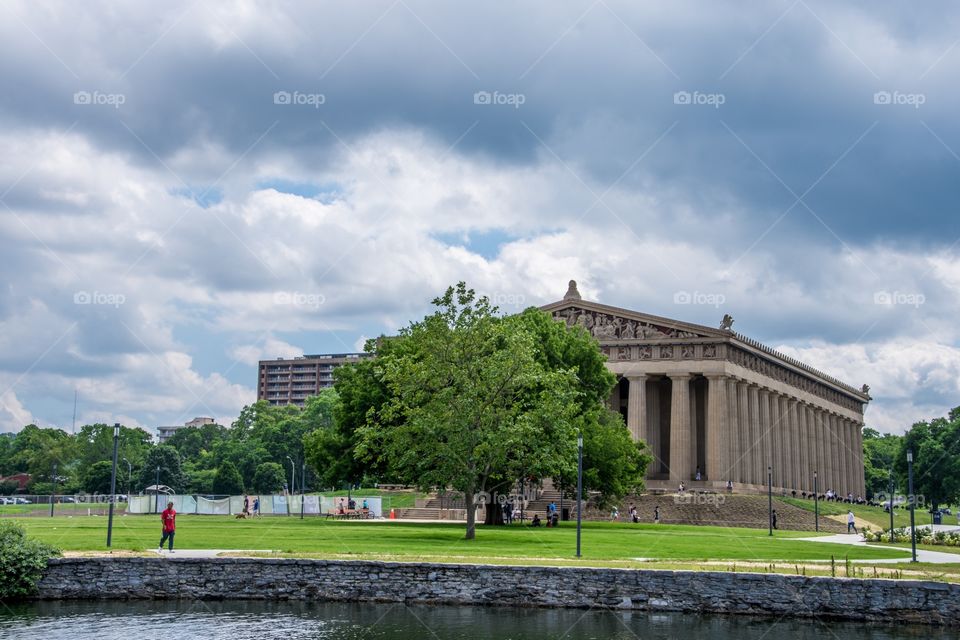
(168, 517)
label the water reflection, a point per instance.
(237, 620)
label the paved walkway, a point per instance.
(205, 553)
(923, 555)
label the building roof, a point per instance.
(660, 328)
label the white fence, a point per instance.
(266, 505)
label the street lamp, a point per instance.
(891, 505)
(579, 486)
(913, 529)
(156, 492)
(293, 476)
(129, 473)
(53, 493)
(303, 483)
(816, 503)
(113, 481)
(770, 499)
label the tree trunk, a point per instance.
(493, 513)
(468, 496)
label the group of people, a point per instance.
(832, 496)
(251, 509)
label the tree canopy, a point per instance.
(936, 459)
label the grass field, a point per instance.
(602, 541)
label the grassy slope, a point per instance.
(876, 516)
(411, 541)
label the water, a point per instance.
(295, 621)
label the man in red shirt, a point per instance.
(169, 520)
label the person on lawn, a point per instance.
(851, 522)
(169, 520)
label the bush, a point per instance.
(22, 561)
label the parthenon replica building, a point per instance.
(714, 403)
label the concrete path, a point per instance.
(923, 555)
(205, 553)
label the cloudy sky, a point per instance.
(185, 190)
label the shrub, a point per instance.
(22, 561)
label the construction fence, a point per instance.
(262, 504)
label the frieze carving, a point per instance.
(786, 376)
(604, 326)
(623, 353)
(709, 351)
(666, 352)
(687, 352)
(645, 352)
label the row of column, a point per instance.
(748, 428)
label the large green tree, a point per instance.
(168, 460)
(471, 404)
(936, 459)
(879, 455)
(269, 478)
(227, 481)
(96, 477)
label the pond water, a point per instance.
(238, 620)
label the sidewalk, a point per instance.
(205, 553)
(923, 555)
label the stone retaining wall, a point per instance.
(713, 592)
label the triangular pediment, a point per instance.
(608, 323)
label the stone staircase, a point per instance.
(706, 509)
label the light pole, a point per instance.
(129, 473)
(770, 499)
(891, 505)
(53, 492)
(303, 483)
(293, 476)
(113, 482)
(156, 492)
(816, 503)
(579, 486)
(913, 529)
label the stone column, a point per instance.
(804, 431)
(758, 471)
(836, 445)
(653, 429)
(731, 465)
(859, 480)
(744, 466)
(680, 430)
(716, 427)
(849, 451)
(829, 439)
(766, 435)
(637, 406)
(819, 415)
(786, 452)
(776, 431)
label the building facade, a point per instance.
(292, 381)
(164, 433)
(714, 404)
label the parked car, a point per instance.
(21, 501)
(67, 500)
(6, 500)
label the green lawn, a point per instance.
(876, 516)
(602, 541)
(65, 508)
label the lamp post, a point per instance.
(113, 482)
(891, 505)
(156, 492)
(129, 473)
(579, 487)
(53, 492)
(293, 476)
(816, 503)
(770, 499)
(303, 483)
(913, 529)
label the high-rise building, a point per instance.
(292, 381)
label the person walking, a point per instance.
(246, 506)
(656, 515)
(774, 515)
(169, 520)
(851, 522)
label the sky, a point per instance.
(189, 187)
